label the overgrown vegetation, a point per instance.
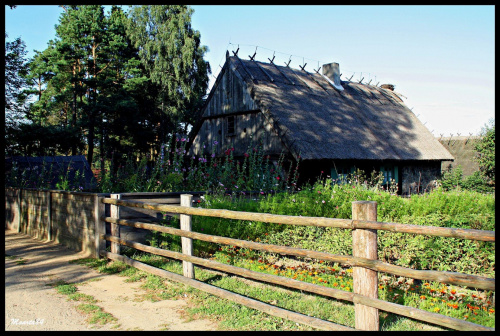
(457, 208)
(95, 314)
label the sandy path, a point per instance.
(32, 305)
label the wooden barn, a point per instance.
(333, 126)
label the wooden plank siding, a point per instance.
(230, 97)
(72, 216)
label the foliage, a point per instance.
(15, 99)
(42, 177)
(458, 208)
(174, 171)
(170, 51)
(486, 151)
(453, 179)
(93, 88)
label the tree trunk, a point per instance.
(90, 139)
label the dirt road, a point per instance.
(30, 304)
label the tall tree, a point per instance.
(82, 37)
(171, 53)
(15, 82)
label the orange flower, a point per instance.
(422, 297)
(491, 310)
(455, 306)
(335, 284)
(453, 292)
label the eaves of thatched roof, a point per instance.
(317, 121)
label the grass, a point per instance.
(95, 314)
(19, 261)
(233, 316)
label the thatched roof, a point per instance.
(464, 151)
(316, 121)
(52, 168)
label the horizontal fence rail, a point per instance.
(410, 312)
(252, 303)
(470, 234)
(361, 301)
(376, 265)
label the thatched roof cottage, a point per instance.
(333, 126)
(75, 169)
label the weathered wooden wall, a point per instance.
(12, 214)
(35, 211)
(73, 220)
(61, 216)
(231, 98)
(69, 218)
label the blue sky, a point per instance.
(441, 58)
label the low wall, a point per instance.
(69, 218)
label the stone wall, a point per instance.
(419, 177)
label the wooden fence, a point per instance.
(70, 218)
(364, 226)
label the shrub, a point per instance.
(457, 208)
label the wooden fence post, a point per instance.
(115, 228)
(187, 243)
(100, 225)
(48, 195)
(19, 213)
(365, 281)
(23, 204)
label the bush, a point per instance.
(457, 208)
(453, 179)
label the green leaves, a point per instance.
(170, 52)
(486, 151)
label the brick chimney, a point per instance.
(387, 86)
(332, 72)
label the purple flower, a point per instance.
(215, 142)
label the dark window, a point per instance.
(231, 126)
(341, 173)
